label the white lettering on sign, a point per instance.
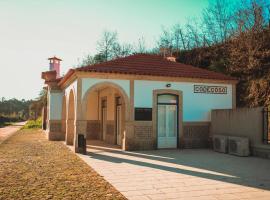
(210, 89)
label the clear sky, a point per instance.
(33, 30)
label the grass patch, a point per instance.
(33, 124)
(3, 124)
(31, 167)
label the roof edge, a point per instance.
(66, 77)
(233, 80)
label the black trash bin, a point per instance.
(81, 144)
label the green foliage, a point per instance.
(35, 108)
(33, 124)
(14, 108)
(3, 124)
(246, 57)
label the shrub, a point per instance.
(32, 124)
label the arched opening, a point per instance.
(64, 115)
(105, 108)
(70, 119)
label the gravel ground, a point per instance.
(31, 167)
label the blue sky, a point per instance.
(33, 30)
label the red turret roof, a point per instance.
(54, 58)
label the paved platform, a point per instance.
(181, 174)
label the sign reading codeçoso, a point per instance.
(210, 89)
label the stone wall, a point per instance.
(55, 130)
(110, 132)
(196, 134)
(242, 122)
(93, 130)
(143, 136)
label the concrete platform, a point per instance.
(180, 174)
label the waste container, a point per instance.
(81, 144)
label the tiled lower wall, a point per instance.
(143, 136)
(110, 132)
(55, 130)
(196, 134)
(93, 130)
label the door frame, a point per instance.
(179, 94)
(116, 115)
(177, 119)
(103, 123)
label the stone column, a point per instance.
(54, 115)
(69, 131)
(80, 122)
(128, 141)
(63, 126)
(80, 129)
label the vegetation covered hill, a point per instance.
(246, 57)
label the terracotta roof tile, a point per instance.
(153, 65)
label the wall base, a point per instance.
(262, 151)
(54, 131)
(196, 135)
(56, 136)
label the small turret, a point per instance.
(55, 65)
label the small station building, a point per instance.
(139, 102)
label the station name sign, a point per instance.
(210, 89)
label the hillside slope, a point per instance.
(246, 57)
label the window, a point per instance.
(167, 99)
(118, 101)
(143, 114)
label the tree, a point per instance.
(193, 34)
(217, 20)
(107, 44)
(141, 47)
(178, 37)
(165, 39)
(121, 50)
(36, 106)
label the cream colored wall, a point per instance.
(55, 105)
(92, 106)
(89, 82)
(196, 106)
(109, 94)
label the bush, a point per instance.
(32, 124)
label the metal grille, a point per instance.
(266, 126)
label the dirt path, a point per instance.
(31, 167)
(9, 130)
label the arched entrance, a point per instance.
(70, 119)
(106, 110)
(64, 113)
